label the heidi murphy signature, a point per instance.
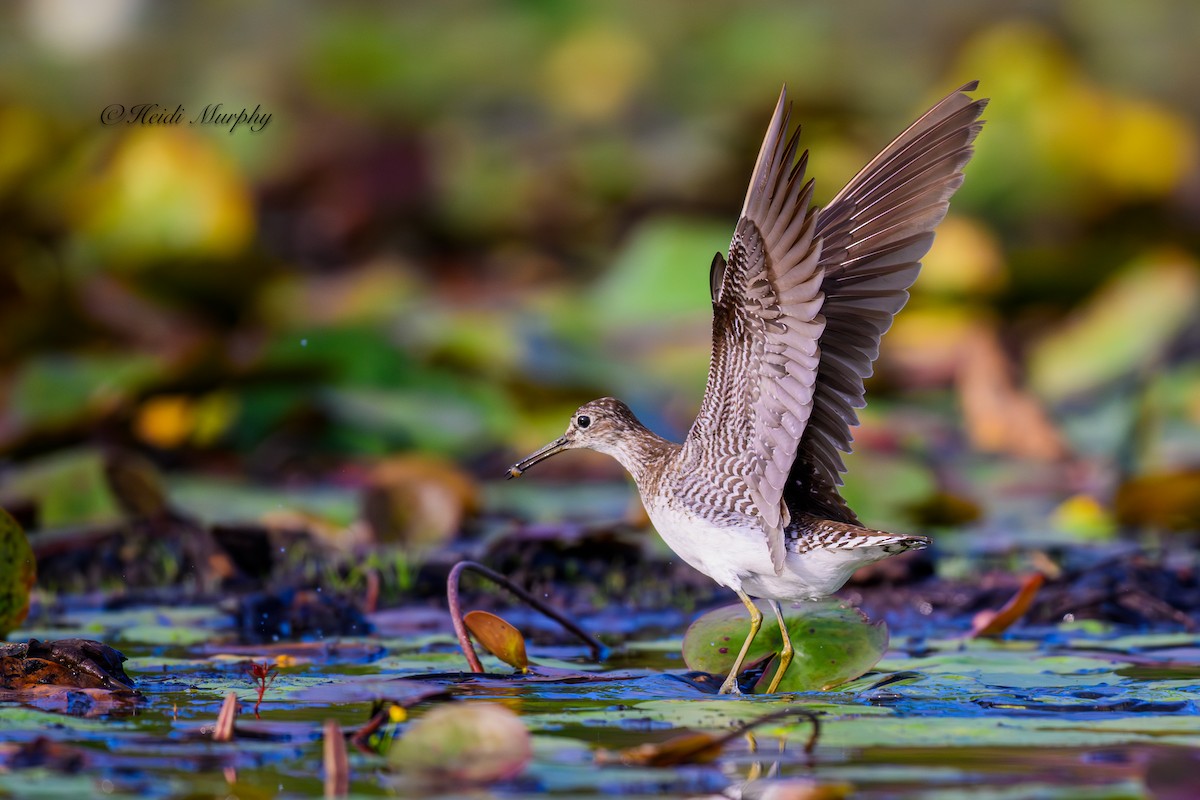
(213, 114)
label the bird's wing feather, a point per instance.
(766, 324)
(875, 232)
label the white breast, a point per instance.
(726, 555)
(739, 559)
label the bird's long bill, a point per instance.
(557, 446)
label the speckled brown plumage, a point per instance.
(800, 302)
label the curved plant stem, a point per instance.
(599, 651)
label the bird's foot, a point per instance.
(730, 686)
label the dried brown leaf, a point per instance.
(499, 637)
(994, 623)
(337, 764)
(223, 730)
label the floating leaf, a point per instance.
(500, 638)
(18, 569)
(833, 643)
(464, 743)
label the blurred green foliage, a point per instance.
(464, 219)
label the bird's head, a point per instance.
(604, 425)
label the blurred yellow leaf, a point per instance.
(1147, 151)
(1060, 142)
(499, 637)
(1083, 516)
(169, 421)
(594, 71)
(164, 421)
(926, 341)
(164, 193)
(965, 258)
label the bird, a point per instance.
(750, 497)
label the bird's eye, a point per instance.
(583, 421)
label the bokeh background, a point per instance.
(464, 219)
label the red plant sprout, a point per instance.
(264, 675)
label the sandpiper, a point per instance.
(799, 304)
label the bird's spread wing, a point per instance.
(875, 232)
(766, 324)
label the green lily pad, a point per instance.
(833, 643)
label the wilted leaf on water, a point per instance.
(463, 743)
(18, 570)
(833, 643)
(500, 638)
(78, 663)
(1122, 329)
(994, 623)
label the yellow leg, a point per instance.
(730, 685)
(785, 655)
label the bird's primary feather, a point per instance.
(799, 308)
